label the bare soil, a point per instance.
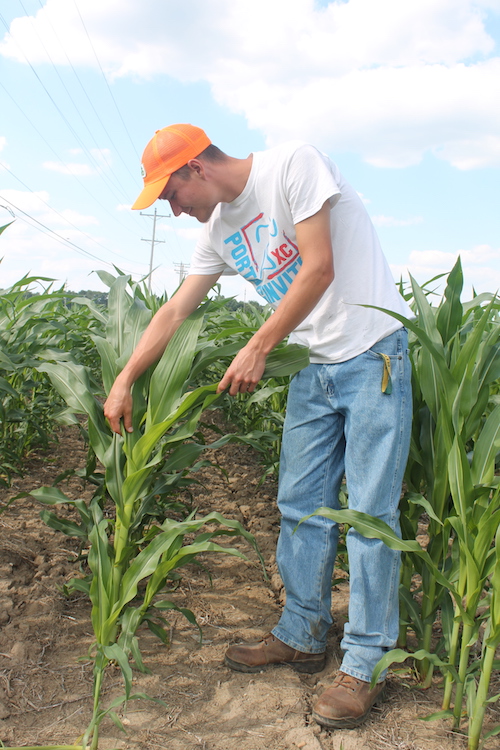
(46, 675)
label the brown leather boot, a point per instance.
(347, 703)
(271, 652)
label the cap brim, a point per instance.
(150, 193)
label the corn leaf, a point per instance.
(486, 448)
(374, 528)
(450, 313)
(108, 357)
(116, 653)
(286, 361)
(205, 395)
(172, 371)
(397, 656)
(118, 304)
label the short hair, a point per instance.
(211, 153)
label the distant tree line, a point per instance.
(234, 304)
(101, 298)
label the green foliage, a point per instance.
(450, 478)
(99, 298)
(164, 447)
(59, 356)
(35, 328)
(261, 413)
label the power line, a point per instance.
(81, 86)
(108, 86)
(61, 114)
(87, 150)
(25, 216)
(92, 195)
(88, 236)
(46, 230)
(58, 109)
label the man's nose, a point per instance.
(176, 209)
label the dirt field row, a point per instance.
(46, 677)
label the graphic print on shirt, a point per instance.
(265, 256)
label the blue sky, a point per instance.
(404, 96)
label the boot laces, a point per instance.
(347, 681)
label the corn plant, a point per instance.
(261, 413)
(478, 697)
(451, 478)
(4, 227)
(133, 548)
(35, 327)
(456, 359)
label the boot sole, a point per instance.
(306, 667)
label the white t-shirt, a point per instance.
(254, 236)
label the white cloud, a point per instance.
(390, 221)
(38, 243)
(75, 169)
(391, 116)
(189, 233)
(436, 258)
(29, 202)
(78, 219)
(480, 265)
(481, 254)
(389, 80)
(471, 153)
(128, 38)
(99, 156)
(37, 205)
(25, 250)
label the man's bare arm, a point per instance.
(315, 275)
(152, 345)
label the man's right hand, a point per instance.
(152, 345)
(119, 405)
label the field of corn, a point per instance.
(128, 564)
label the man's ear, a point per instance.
(197, 167)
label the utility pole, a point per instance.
(183, 269)
(153, 241)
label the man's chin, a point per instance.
(203, 215)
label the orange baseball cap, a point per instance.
(167, 151)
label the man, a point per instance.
(287, 221)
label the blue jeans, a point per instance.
(338, 422)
